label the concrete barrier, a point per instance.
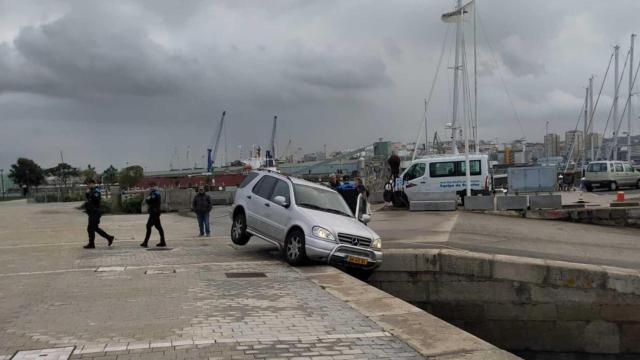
(545, 202)
(222, 197)
(445, 205)
(479, 203)
(629, 217)
(511, 202)
(518, 303)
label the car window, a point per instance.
(628, 168)
(415, 171)
(597, 167)
(281, 189)
(441, 169)
(474, 165)
(320, 199)
(249, 178)
(619, 167)
(264, 186)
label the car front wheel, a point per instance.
(239, 234)
(294, 250)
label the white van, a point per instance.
(611, 175)
(446, 174)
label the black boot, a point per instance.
(162, 243)
(110, 240)
(89, 246)
(144, 244)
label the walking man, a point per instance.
(92, 208)
(153, 204)
(202, 205)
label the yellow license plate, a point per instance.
(357, 260)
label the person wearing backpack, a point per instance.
(202, 205)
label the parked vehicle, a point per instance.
(445, 174)
(611, 175)
(305, 220)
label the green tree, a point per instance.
(130, 176)
(26, 172)
(89, 173)
(63, 172)
(110, 175)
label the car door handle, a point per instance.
(267, 204)
(248, 196)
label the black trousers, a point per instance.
(94, 227)
(154, 220)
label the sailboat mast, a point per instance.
(426, 130)
(476, 140)
(456, 70)
(629, 107)
(590, 128)
(616, 79)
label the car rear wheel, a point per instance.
(239, 234)
(294, 250)
(613, 186)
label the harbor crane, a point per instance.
(212, 157)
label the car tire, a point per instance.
(589, 187)
(239, 235)
(613, 186)
(294, 248)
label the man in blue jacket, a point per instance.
(92, 208)
(202, 205)
(153, 201)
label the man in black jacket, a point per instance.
(92, 208)
(153, 201)
(202, 205)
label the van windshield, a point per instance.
(316, 198)
(597, 167)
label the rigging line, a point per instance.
(573, 143)
(604, 133)
(433, 85)
(504, 85)
(595, 106)
(628, 98)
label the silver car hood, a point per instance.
(337, 223)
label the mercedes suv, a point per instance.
(304, 220)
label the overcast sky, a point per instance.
(116, 82)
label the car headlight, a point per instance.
(322, 233)
(377, 243)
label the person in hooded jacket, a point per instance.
(153, 201)
(202, 205)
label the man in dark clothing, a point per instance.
(92, 208)
(202, 205)
(333, 182)
(394, 165)
(153, 201)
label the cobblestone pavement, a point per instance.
(125, 302)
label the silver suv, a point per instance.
(304, 220)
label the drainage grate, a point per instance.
(245, 275)
(44, 354)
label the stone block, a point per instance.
(547, 294)
(578, 312)
(528, 270)
(451, 311)
(633, 213)
(434, 196)
(545, 201)
(511, 202)
(473, 291)
(602, 337)
(571, 275)
(556, 336)
(433, 205)
(620, 312)
(466, 263)
(479, 203)
(407, 291)
(536, 312)
(626, 281)
(629, 338)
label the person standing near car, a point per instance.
(202, 205)
(92, 208)
(334, 183)
(154, 200)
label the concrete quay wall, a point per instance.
(620, 216)
(521, 304)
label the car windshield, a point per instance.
(320, 199)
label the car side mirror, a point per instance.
(365, 218)
(280, 200)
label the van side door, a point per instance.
(414, 181)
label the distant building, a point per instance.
(595, 139)
(573, 143)
(552, 145)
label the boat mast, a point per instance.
(586, 125)
(629, 107)
(590, 127)
(475, 80)
(615, 105)
(456, 69)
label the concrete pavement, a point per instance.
(505, 235)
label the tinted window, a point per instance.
(249, 178)
(312, 197)
(281, 189)
(415, 171)
(628, 168)
(597, 167)
(473, 164)
(264, 186)
(441, 169)
(619, 167)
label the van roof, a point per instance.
(450, 157)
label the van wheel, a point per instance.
(239, 235)
(294, 251)
(613, 186)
